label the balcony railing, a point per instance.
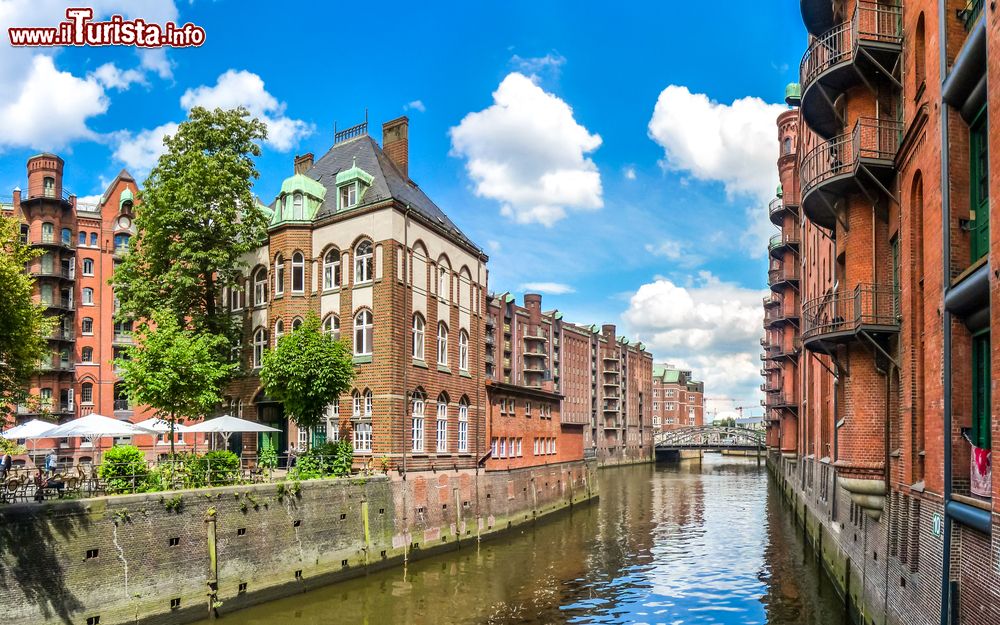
(62, 334)
(848, 311)
(58, 272)
(770, 387)
(873, 22)
(49, 194)
(66, 303)
(781, 400)
(788, 273)
(122, 404)
(54, 240)
(772, 300)
(872, 139)
(782, 239)
(123, 337)
(971, 13)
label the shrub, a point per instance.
(343, 457)
(268, 458)
(123, 470)
(220, 468)
(328, 459)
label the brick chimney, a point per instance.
(303, 163)
(395, 143)
(533, 302)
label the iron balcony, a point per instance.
(781, 242)
(841, 316)
(866, 49)
(865, 156)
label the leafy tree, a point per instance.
(307, 371)
(175, 371)
(23, 326)
(197, 219)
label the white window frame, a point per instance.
(83, 326)
(87, 398)
(364, 332)
(235, 299)
(88, 262)
(299, 269)
(297, 206)
(503, 447)
(331, 269)
(331, 326)
(363, 437)
(356, 404)
(347, 195)
(364, 263)
(279, 275)
(417, 425)
(260, 287)
(279, 331)
(419, 329)
(463, 428)
(463, 350)
(87, 296)
(369, 404)
(442, 344)
(442, 427)
(259, 343)
(443, 286)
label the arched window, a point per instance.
(279, 275)
(442, 424)
(442, 344)
(463, 426)
(919, 53)
(356, 404)
(87, 354)
(331, 269)
(121, 243)
(442, 283)
(463, 350)
(331, 326)
(369, 404)
(239, 409)
(363, 333)
(296, 205)
(260, 287)
(87, 325)
(88, 296)
(48, 233)
(259, 341)
(418, 336)
(298, 273)
(93, 239)
(235, 295)
(88, 266)
(87, 393)
(296, 323)
(417, 423)
(364, 262)
(786, 146)
(279, 331)
(82, 238)
(49, 186)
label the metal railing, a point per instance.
(65, 303)
(50, 194)
(777, 400)
(775, 206)
(970, 14)
(850, 310)
(123, 337)
(788, 273)
(870, 139)
(53, 240)
(871, 22)
(122, 404)
(60, 272)
(62, 334)
(772, 300)
(782, 238)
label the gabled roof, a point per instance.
(387, 183)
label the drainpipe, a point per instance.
(407, 296)
(946, 321)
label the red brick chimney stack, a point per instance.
(395, 143)
(303, 163)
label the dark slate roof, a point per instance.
(388, 182)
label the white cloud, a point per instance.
(528, 152)
(111, 77)
(709, 326)
(629, 173)
(552, 288)
(675, 251)
(534, 65)
(416, 105)
(156, 60)
(50, 109)
(733, 144)
(139, 152)
(246, 89)
(493, 245)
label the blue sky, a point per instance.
(618, 157)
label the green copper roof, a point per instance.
(508, 297)
(126, 196)
(305, 184)
(780, 192)
(793, 94)
(558, 315)
(354, 173)
(266, 210)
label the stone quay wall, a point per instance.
(151, 558)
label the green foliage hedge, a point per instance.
(123, 470)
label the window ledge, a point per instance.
(362, 359)
(331, 290)
(444, 369)
(465, 374)
(419, 363)
(361, 285)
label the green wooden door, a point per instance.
(981, 390)
(980, 192)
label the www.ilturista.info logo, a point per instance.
(79, 29)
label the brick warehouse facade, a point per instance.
(81, 245)
(880, 413)
(678, 399)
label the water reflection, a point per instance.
(695, 543)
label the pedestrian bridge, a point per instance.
(710, 438)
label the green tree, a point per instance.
(197, 219)
(23, 325)
(307, 371)
(174, 370)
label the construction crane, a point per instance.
(739, 405)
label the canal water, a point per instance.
(707, 542)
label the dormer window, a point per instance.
(348, 195)
(297, 206)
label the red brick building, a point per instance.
(354, 240)
(879, 384)
(678, 399)
(81, 245)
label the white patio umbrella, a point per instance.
(94, 427)
(161, 425)
(227, 425)
(28, 430)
